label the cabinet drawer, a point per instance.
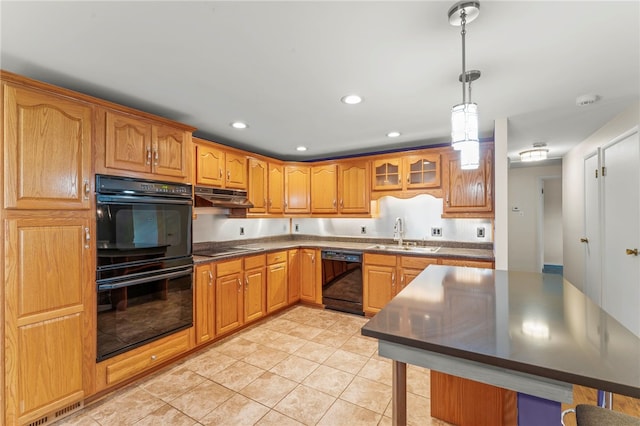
(380, 259)
(251, 262)
(276, 257)
(417, 262)
(229, 267)
(155, 354)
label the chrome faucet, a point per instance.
(398, 230)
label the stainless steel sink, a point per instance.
(410, 249)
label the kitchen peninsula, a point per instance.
(532, 333)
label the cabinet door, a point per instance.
(209, 165)
(309, 290)
(422, 171)
(236, 171)
(387, 174)
(275, 202)
(324, 189)
(354, 189)
(254, 294)
(128, 143)
(378, 287)
(293, 275)
(297, 188)
(257, 191)
(47, 293)
(170, 147)
(47, 149)
(277, 295)
(205, 303)
(469, 191)
(228, 302)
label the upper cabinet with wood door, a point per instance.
(417, 171)
(297, 189)
(342, 187)
(468, 193)
(275, 199)
(257, 191)
(47, 150)
(216, 166)
(324, 188)
(139, 146)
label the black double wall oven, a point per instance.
(144, 262)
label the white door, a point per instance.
(591, 237)
(621, 221)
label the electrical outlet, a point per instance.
(436, 232)
(363, 229)
(242, 230)
(296, 227)
(480, 232)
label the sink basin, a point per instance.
(410, 249)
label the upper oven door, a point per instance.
(135, 229)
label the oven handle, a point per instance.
(143, 280)
(104, 199)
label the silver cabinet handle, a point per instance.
(246, 283)
(210, 278)
(148, 155)
(154, 357)
(228, 175)
(239, 285)
(220, 173)
(393, 279)
(87, 189)
(155, 157)
(87, 238)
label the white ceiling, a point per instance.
(282, 67)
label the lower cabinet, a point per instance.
(385, 275)
(293, 275)
(255, 288)
(277, 292)
(204, 303)
(310, 276)
(229, 296)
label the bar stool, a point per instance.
(592, 415)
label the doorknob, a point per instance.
(633, 252)
(584, 240)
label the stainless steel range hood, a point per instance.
(218, 197)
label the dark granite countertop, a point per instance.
(527, 322)
(447, 249)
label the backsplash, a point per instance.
(420, 214)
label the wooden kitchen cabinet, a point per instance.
(471, 263)
(204, 295)
(354, 187)
(293, 275)
(297, 189)
(49, 310)
(229, 296)
(47, 150)
(216, 166)
(468, 193)
(410, 267)
(136, 146)
(275, 203)
(324, 189)
(255, 288)
(310, 276)
(277, 292)
(257, 191)
(416, 171)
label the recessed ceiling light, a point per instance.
(351, 99)
(393, 134)
(301, 148)
(239, 125)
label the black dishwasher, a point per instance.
(342, 280)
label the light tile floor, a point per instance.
(304, 366)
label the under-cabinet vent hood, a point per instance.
(217, 197)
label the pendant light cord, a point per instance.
(463, 76)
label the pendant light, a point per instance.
(464, 116)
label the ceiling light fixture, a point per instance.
(538, 153)
(301, 148)
(239, 125)
(351, 99)
(464, 116)
(393, 134)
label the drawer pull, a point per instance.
(153, 357)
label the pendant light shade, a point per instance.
(464, 116)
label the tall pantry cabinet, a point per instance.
(47, 255)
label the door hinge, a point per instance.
(596, 173)
(604, 171)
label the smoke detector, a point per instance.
(588, 99)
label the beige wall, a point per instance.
(573, 190)
(525, 216)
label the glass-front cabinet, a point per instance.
(417, 171)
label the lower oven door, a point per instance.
(134, 312)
